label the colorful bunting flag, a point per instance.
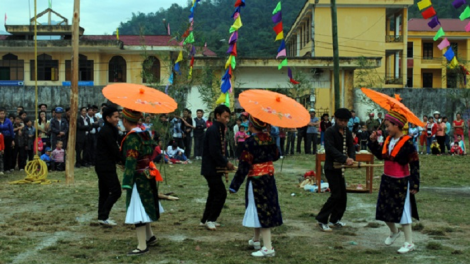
(434, 22)
(279, 36)
(454, 63)
(117, 33)
(440, 33)
(282, 53)
(465, 14)
(232, 49)
(233, 62)
(221, 99)
(444, 44)
(177, 68)
(449, 54)
(180, 57)
(283, 46)
(189, 39)
(428, 13)
(190, 73)
(239, 3)
(277, 18)
(291, 79)
(227, 100)
(233, 38)
(467, 27)
(278, 28)
(283, 64)
(166, 88)
(277, 9)
(458, 3)
(236, 25)
(424, 4)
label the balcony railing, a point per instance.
(394, 80)
(393, 38)
(431, 60)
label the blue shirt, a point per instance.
(6, 128)
(312, 129)
(45, 157)
(352, 121)
(447, 128)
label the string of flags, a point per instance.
(428, 12)
(281, 51)
(231, 64)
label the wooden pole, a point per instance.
(70, 162)
(334, 24)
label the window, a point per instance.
(85, 69)
(117, 69)
(11, 69)
(452, 80)
(410, 50)
(48, 69)
(427, 80)
(151, 70)
(427, 51)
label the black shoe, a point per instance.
(137, 252)
(152, 241)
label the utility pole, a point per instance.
(70, 162)
(334, 23)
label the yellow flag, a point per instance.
(236, 25)
(190, 74)
(117, 33)
(180, 57)
(424, 4)
(221, 99)
(280, 36)
(454, 63)
(229, 62)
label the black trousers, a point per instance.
(198, 140)
(179, 142)
(283, 143)
(188, 145)
(441, 140)
(290, 143)
(109, 192)
(301, 136)
(215, 199)
(8, 156)
(90, 150)
(30, 154)
(312, 139)
(21, 157)
(79, 151)
(335, 206)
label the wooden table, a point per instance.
(367, 158)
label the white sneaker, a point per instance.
(21, 170)
(407, 247)
(190, 162)
(211, 225)
(264, 253)
(255, 244)
(204, 224)
(391, 239)
(107, 222)
(337, 224)
(325, 227)
(281, 157)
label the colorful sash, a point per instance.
(260, 169)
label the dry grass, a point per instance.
(56, 223)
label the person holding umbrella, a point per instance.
(262, 206)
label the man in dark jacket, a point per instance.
(82, 131)
(200, 126)
(59, 128)
(107, 156)
(214, 164)
(90, 151)
(337, 137)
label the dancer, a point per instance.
(214, 165)
(107, 156)
(400, 181)
(262, 207)
(142, 192)
(339, 147)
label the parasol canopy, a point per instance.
(392, 104)
(274, 108)
(139, 98)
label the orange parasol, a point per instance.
(274, 108)
(392, 104)
(139, 98)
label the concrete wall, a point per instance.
(13, 96)
(420, 101)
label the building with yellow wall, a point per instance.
(427, 66)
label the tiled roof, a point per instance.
(449, 25)
(129, 40)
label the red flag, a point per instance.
(192, 62)
(428, 13)
(278, 28)
(186, 33)
(239, 3)
(294, 81)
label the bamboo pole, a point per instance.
(334, 24)
(70, 162)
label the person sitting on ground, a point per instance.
(456, 149)
(435, 148)
(461, 144)
(57, 156)
(157, 154)
(175, 152)
(356, 142)
(46, 157)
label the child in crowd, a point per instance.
(19, 152)
(29, 133)
(2, 151)
(157, 154)
(414, 132)
(174, 152)
(461, 143)
(46, 157)
(356, 142)
(363, 135)
(240, 137)
(435, 148)
(456, 149)
(58, 161)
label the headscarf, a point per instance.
(256, 123)
(396, 118)
(131, 115)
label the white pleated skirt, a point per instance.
(251, 218)
(136, 213)
(406, 217)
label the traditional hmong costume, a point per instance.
(401, 174)
(256, 161)
(142, 192)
